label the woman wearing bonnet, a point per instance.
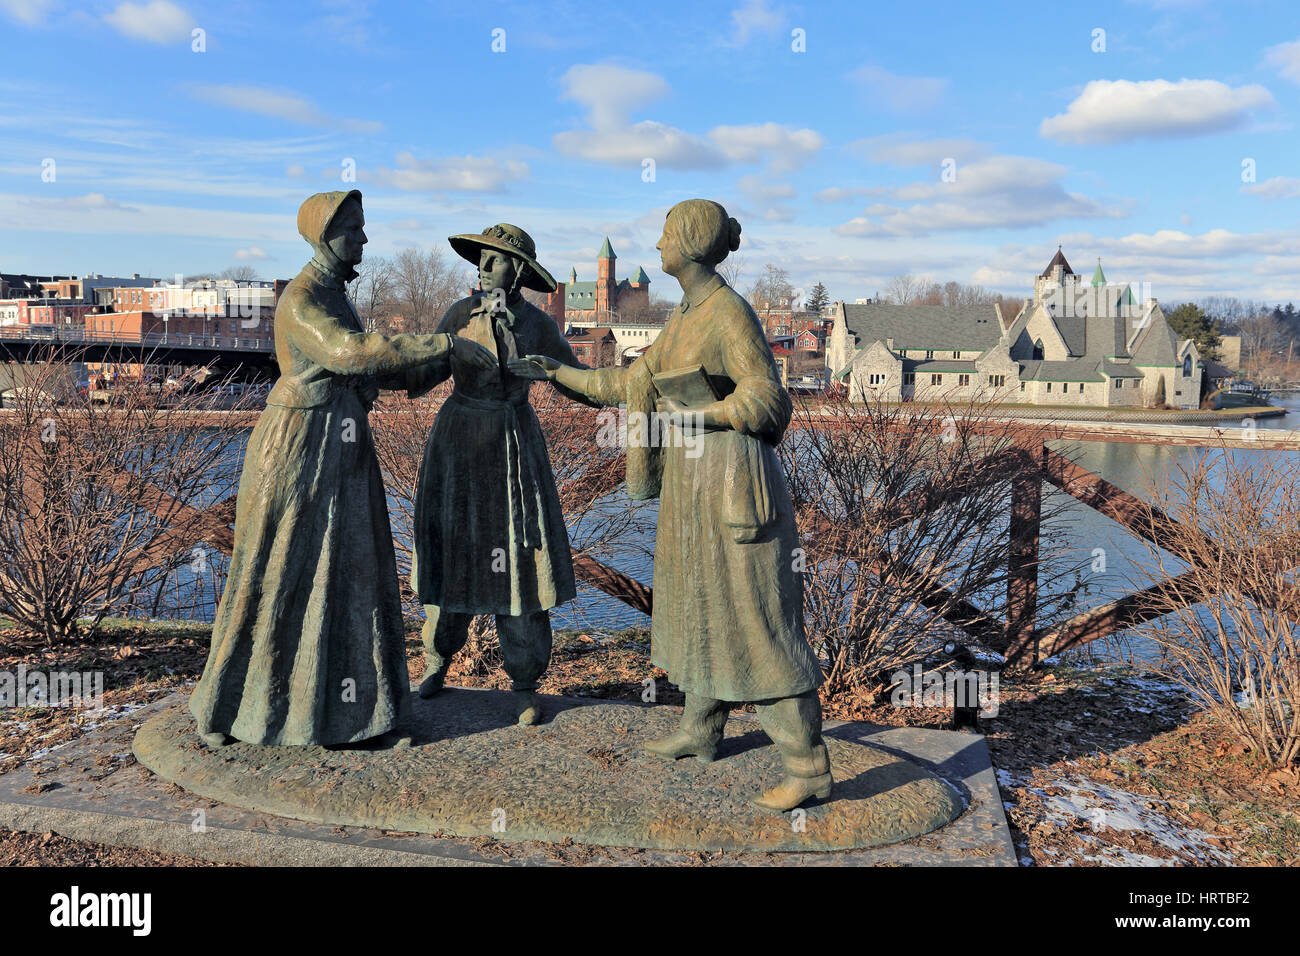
(308, 644)
(728, 605)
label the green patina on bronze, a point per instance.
(582, 776)
(728, 603)
(307, 643)
(490, 536)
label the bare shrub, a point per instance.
(903, 512)
(1229, 526)
(99, 502)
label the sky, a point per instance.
(853, 141)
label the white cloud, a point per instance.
(251, 253)
(157, 21)
(899, 93)
(30, 12)
(788, 148)
(1117, 111)
(993, 193)
(296, 171)
(478, 174)
(281, 105)
(756, 187)
(1286, 57)
(1279, 187)
(755, 17)
(632, 145)
(897, 151)
(98, 215)
(842, 193)
(610, 93)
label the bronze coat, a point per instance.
(728, 604)
(307, 645)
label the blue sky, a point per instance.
(957, 141)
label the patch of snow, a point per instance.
(1102, 806)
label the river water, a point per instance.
(1082, 535)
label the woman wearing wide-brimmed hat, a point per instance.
(489, 533)
(308, 644)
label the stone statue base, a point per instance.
(581, 775)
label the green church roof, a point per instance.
(1098, 277)
(606, 251)
(640, 278)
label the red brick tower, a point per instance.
(606, 296)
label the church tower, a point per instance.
(606, 294)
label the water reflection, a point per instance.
(1125, 561)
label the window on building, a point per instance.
(909, 378)
(997, 381)
(936, 378)
(1119, 383)
(1022, 385)
(876, 379)
(1038, 350)
(963, 379)
(1049, 386)
(956, 354)
(1065, 386)
(1187, 367)
(929, 353)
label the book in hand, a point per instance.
(689, 386)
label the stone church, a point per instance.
(1076, 342)
(608, 298)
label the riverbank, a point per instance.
(1098, 765)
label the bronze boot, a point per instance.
(807, 776)
(527, 708)
(432, 682)
(697, 735)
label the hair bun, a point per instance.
(733, 240)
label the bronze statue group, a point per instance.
(308, 643)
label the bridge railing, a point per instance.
(171, 340)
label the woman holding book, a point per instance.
(728, 603)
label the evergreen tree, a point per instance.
(818, 299)
(1191, 322)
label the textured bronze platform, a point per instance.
(580, 776)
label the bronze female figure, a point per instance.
(728, 610)
(489, 533)
(307, 645)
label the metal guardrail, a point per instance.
(57, 336)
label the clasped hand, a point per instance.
(539, 368)
(471, 353)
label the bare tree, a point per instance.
(731, 269)
(902, 289)
(243, 273)
(904, 518)
(98, 503)
(1228, 630)
(373, 291)
(771, 290)
(1262, 338)
(424, 285)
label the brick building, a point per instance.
(602, 301)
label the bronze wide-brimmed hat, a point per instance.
(511, 240)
